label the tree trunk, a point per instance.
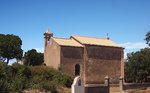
(7, 61)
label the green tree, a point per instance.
(33, 58)
(147, 38)
(137, 67)
(2, 59)
(10, 47)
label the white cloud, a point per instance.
(125, 55)
(40, 50)
(135, 45)
(132, 47)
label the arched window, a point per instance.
(77, 70)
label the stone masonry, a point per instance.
(93, 58)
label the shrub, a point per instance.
(68, 80)
(49, 86)
(3, 70)
(46, 73)
(4, 86)
(17, 85)
(18, 77)
(63, 79)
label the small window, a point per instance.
(77, 70)
(48, 38)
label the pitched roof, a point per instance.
(67, 42)
(95, 41)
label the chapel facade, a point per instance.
(91, 58)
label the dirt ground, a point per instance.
(60, 89)
(141, 90)
(112, 90)
(144, 90)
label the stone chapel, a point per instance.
(91, 58)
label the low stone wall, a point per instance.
(127, 86)
(79, 87)
(96, 88)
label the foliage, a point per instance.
(137, 67)
(33, 58)
(18, 77)
(4, 84)
(50, 74)
(2, 59)
(147, 38)
(10, 47)
(60, 68)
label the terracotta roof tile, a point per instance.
(95, 41)
(67, 42)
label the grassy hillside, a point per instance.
(17, 78)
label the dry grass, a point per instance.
(114, 90)
(60, 89)
(34, 91)
(143, 90)
(139, 90)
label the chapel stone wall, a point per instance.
(70, 56)
(52, 54)
(101, 61)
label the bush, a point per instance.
(49, 86)
(64, 79)
(4, 86)
(17, 85)
(18, 77)
(3, 70)
(67, 81)
(45, 73)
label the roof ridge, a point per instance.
(95, 41)
(88, 37)
(66, 42)
(61, 38)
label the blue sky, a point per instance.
(126, 21)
